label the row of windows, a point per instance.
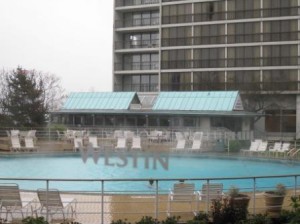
(137, 83)
(270, 80)
(236, 33)
(237, 9)
(275, 80)
(274, 55)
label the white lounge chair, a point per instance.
(59, 208)
(262, 148)
(94, 142)
(285, 147)
(78, 142)
(14, 133)
(253, 147)
(275, 149)
(211, 191)
(197, 142)
(136, 143)
(15, 143)
(121, 143)
(12, 205)
(29, 145)
(182, 193)
(180, 146)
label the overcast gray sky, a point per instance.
(69, 38)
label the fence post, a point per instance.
(254, 190)
(47, 190)
(102, 201)
(156, 199)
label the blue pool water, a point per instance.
(142, 166)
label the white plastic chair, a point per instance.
(13, 205)
(121, 143)
(15, 143)
(29, 145)
(56, 205)
(136, 143)
(180, 145)
(182, 193)
(94, 142)
(78, 142)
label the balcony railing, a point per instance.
(248, 86)
(137, 22)
(137, 66)
(131, 44)
(231, 39)
(231, 15)
(137, 87)
(120, 3)
(231, 62)
(283, 11)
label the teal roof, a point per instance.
(197, 101)
(99, 100)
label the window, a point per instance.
(280, 55)
(140, 83)
(176, 81)
(280, 80)
(209, 81)
(243, 57)
(209, 34)
(243, 80)
(140, 61)
(280, 30)
(280, 120)
(209, 11)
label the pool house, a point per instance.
(207, 110)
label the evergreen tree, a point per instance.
(24, 99)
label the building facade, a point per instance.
(194, 45)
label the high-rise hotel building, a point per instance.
(197, 45)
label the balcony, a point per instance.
(243, 62)
(137, 66)
(283, 11)
(281, 61)
(134, 44)
(244, 38)
(137, 22)
(244, 14)
(281, 36)
(199, 63)
(120, 3)
(137, 88)
(248, 86)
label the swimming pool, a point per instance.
(142, 166)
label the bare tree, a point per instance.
(54, 94)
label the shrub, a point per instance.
(224, 211)
(31, 220)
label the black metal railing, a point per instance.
(137, 66)
(232, 85)
(120, 3)
(231, 15)
(231, 62)
(137, 87)
(137, 22)
(131, 44)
